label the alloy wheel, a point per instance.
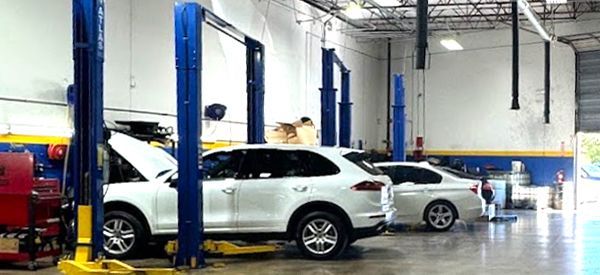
(320, 236)
(440, 216)
(119, 236)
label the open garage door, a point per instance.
(588, 91)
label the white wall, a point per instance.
(36, 64)
(468, 93)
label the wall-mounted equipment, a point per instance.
(215, 111)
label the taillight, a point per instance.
(368, 186)
(474, 188)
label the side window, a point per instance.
(223, 165)
(270, 163)
(425, 176)
(399, 174)
(402, 174)
(317, 165)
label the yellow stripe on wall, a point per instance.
(25, 139)
(498, 153)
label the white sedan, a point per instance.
(423, 192)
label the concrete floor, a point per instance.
(538, 243)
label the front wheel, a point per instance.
(440, 216)
(321, 236)
(124, 235)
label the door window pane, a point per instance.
(268, 164)
(272, 163)
(223, 165)
(429, 177)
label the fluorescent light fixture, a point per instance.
(533, 18)
(355, 11)
(451, 44)
(387, 3)
(556, 2)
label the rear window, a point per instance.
(363, 161)
(460, 174)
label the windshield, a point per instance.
(362, 160)
(153, 163)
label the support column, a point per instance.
(399, 119)
(88, 57)
(188, 61)
(328, 114)
(345, 112)
(255, 74)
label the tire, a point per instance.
(124, 235)
(32, 266)
(440, 216)
(321, 236)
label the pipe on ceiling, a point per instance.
(515, 57)
(547, 82)
(421, 44)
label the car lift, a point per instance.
(188, 50)
(89, 150)
(399, 119)
(328, 98)
(89, 147)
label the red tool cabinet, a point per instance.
(30, 224)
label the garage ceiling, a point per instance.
(583, 42)
(396, 18)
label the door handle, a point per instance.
(301, 188)
(228, 190)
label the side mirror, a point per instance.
(173, 183)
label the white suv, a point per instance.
(323, 198)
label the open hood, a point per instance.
(153, 163)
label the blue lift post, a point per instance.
(188, 61)
(88, 140)
(345, 110)
(399, 153)
(328, 99)
(189, 18)
(255, 74)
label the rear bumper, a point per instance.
(371, 231)
(472, 211)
